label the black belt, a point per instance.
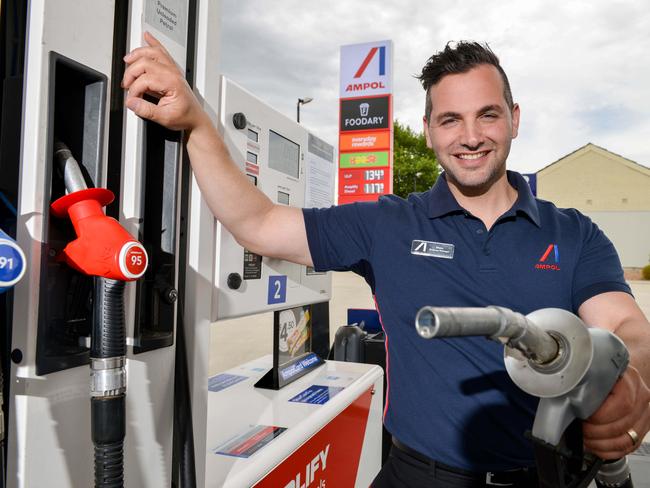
(514, 477)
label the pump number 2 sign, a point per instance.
(277, 289)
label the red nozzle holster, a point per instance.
(102, 247)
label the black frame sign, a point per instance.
(293, 356)
(365, 114)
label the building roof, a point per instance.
(593, 147)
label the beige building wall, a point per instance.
(612, 190)
(593, 179)
(630, 234)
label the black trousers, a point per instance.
(403, 470)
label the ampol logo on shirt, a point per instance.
(543, 264)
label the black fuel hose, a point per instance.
(108, 390)
(108, 430)
(183, 428)
(108, 337)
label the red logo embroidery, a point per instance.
(545, 256)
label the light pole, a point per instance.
(415, 179)
(301, 101)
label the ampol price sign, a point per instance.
(368, 182)
(365, 122)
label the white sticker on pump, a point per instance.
(168, 17)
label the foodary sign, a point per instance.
(365, 113)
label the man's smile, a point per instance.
(471, 156)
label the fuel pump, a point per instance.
(70, 88)
(552, 355)
(105, 250)
(65, 85)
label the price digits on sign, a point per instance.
(374, 174)
(373, 188)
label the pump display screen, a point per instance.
(284, 155)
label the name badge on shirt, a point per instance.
(433, 249)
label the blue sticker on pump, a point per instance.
(277, 289)
(12, 263)
(223, 381)
(317, 394)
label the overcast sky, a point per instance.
(580, 70)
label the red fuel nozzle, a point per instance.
(102, 247)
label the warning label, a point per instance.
(252, 265)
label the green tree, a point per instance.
(414, 165)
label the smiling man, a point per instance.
(470, 122)
(474, 239)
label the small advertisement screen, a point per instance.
(293, 355)
(294, 327)
(284, 155)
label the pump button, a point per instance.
(17, 356)
(239, 120)
(234, 281)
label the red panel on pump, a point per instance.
(330, 458)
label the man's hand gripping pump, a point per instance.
(550, 354)
(104, 249)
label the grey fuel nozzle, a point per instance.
(546, 353)
(549, 353)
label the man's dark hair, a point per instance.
(461, 58)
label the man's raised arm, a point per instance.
(256, 222)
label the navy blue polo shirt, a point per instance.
(451, 399)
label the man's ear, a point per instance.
(516, 113)
(425, 127)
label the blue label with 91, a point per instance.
(11, 263)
